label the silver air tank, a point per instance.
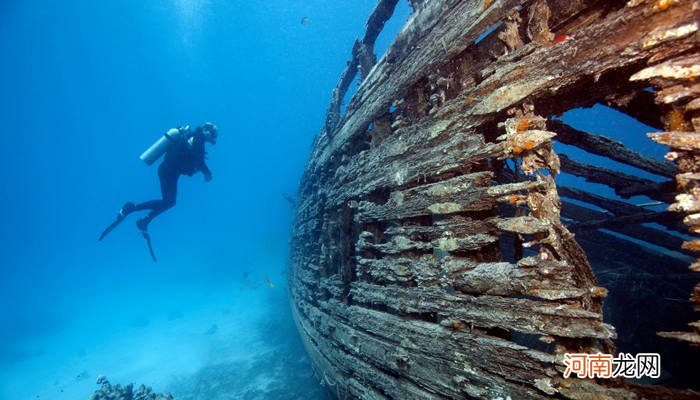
(161, 146)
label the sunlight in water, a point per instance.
(191, 14)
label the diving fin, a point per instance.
(150, 247)
(111, 227)
(126, 209)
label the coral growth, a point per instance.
(109, 392)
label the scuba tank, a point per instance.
(163, 144)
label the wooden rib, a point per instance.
(362, 55)
(455, 23)
(625, 185)
(647, 216)
(646, 234)
(691, 337)
(606, 147)
(616, 207)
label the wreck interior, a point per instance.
(455, 235)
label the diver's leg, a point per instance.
(148, 205)
(127, 209)
(168, 187)
(164, 170)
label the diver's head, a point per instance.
(211, 132)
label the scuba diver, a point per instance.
(184, 155)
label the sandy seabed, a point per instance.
(235, 343)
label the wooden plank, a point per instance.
(443, 369)
(445, 198)
(689, 141)
(542, 70)
(414, 155)
(483, 361)
(542, 279)
(400, 244)
(532, 277)
(337, 369)
(522, 315)
(427, 199)
(455, 226)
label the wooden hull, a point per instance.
(432, 255)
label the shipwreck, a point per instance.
(433, 254)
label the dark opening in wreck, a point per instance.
(433, 255)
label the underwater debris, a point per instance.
(109, 392)
(431, 257)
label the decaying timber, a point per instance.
(431, 243)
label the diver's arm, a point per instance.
(206, 172)
(199, 155)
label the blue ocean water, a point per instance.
(86, 87)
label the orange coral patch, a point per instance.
(598, 291)
(692, 245)
(661, 5)
(524, 124)
(517, 149)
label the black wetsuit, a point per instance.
(182, 159)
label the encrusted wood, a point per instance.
(431, 250)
